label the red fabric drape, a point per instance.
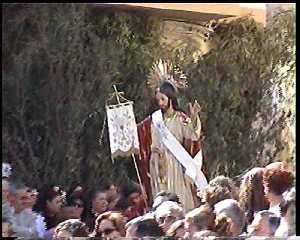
(144, 133)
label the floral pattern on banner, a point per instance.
(122, 128)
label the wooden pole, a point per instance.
(144, 194)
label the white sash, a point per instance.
(192, 165)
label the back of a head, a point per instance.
(232, 209)
(223, 226)
(225, 182)
(278, 180)
(148, 228)
(167, 208)
(203, 217)
(164, 196)
(100, 218)
(212, 194)
(74, 227)
(252, 196)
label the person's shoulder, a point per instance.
(145, 121)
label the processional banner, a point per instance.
(122, 128)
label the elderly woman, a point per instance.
(96, 206)
(231, 209)
(167, 213)
(110, 225)
(70, 228)
(198, 219)
(218, 189)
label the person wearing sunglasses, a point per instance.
(74, 205)
(72, 209)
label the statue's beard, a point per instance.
(166, 108)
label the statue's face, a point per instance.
(162, 101)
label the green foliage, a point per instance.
(60, 62)
(233, 84)
(282, 85)
(59, 65)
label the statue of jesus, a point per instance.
(159, 164)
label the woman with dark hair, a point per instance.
(157, 159)
(97, 205)
(252, 197)
(135, 202)
(74, 204)
(49, 204)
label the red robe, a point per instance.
(144, 134)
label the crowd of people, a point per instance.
(261, 204)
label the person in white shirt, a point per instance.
(276, 182)
(264, 224)
(288, 212)
(25, 222)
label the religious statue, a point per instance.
(170, 149)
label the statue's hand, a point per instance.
(194, 109)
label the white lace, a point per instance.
(122, 130)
